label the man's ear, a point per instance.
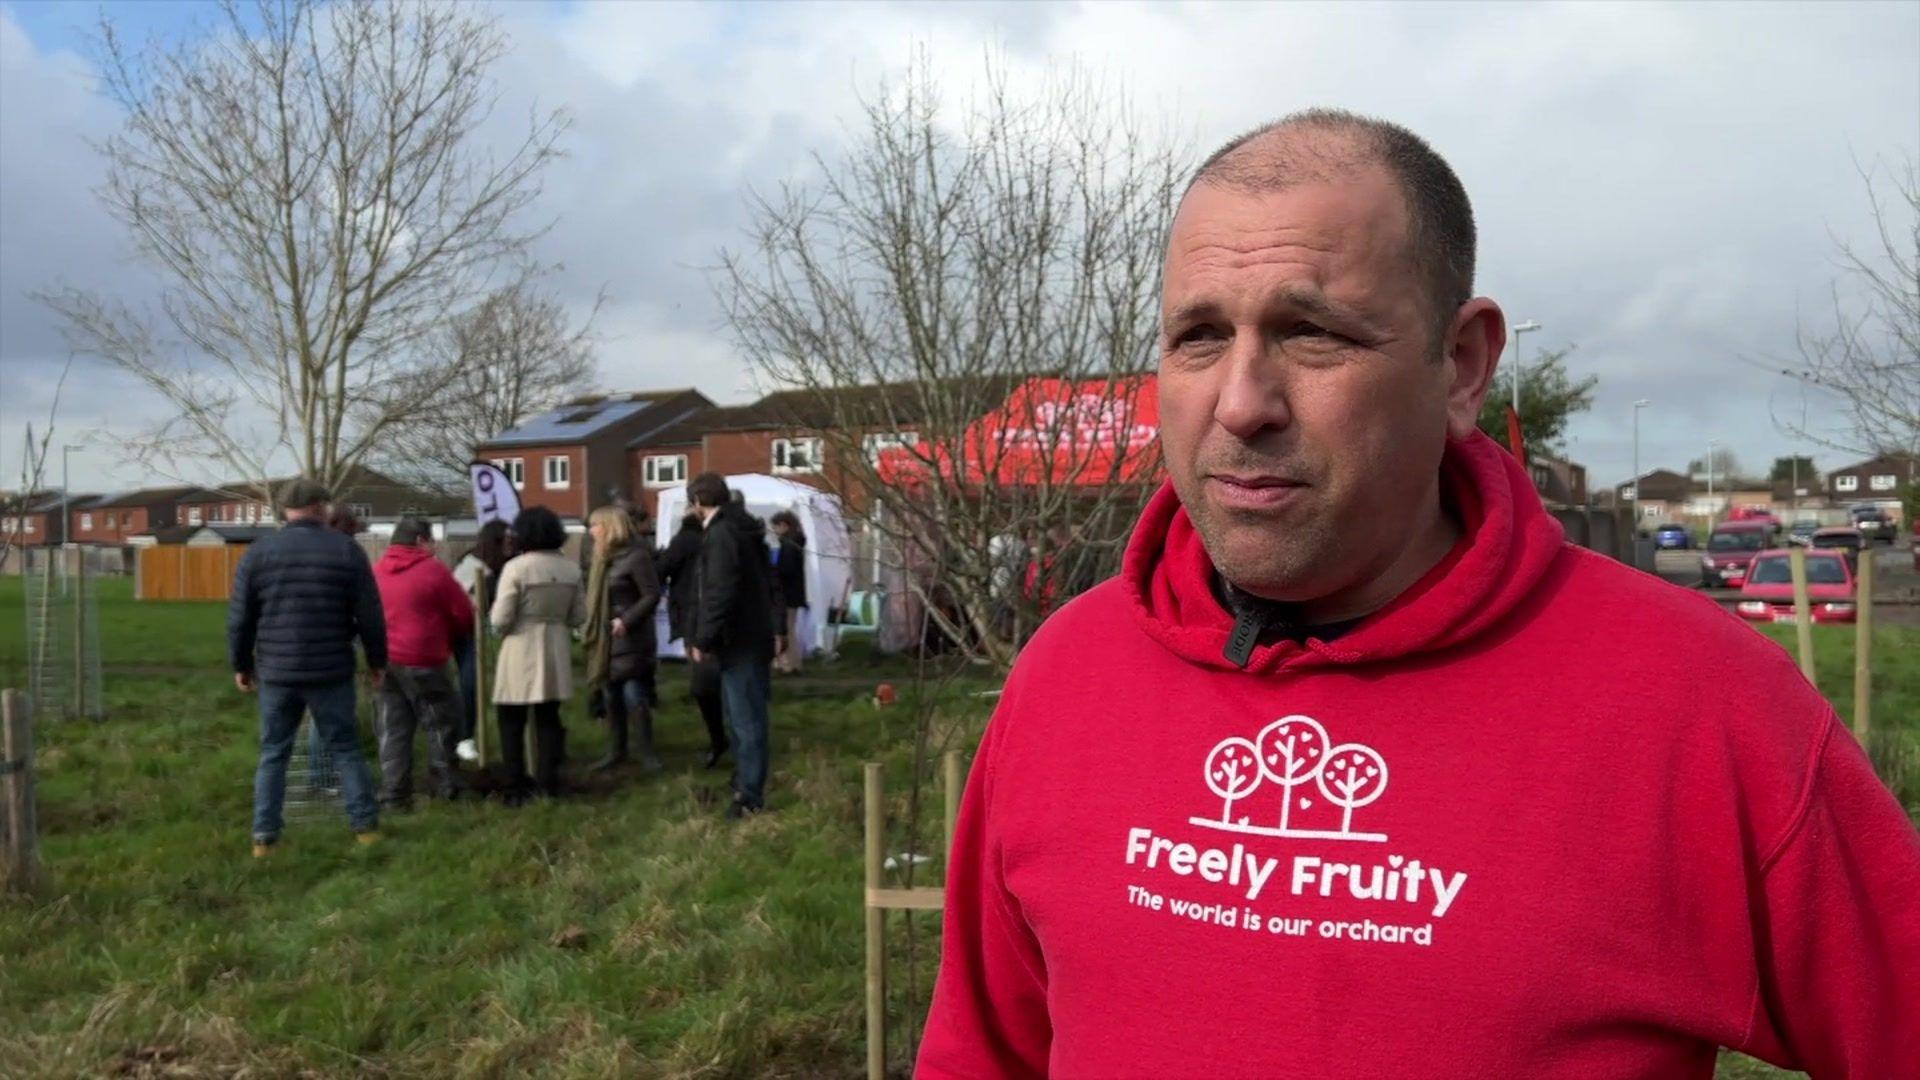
(1471, 352)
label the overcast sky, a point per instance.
(1658, 184)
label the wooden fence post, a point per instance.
(1802, 611)
(20, 869)
(876, 927)
(1863, 649)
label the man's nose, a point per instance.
(1253, 393)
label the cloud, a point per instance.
(1657, 182)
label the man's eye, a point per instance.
(1199, 335)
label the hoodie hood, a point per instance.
(400, 558)
(1508, 542)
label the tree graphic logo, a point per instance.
(1294, 753)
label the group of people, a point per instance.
(305, 595)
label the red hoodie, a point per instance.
(1620, 831)
(427, 610)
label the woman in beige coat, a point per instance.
(539, 602)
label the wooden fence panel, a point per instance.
(179, 572)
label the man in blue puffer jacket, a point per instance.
(300, 598)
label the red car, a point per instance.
(1768, 594)
(1729, 549)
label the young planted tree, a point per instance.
(1293, 749)
(515, 353)
(308, 182)
(967, 300)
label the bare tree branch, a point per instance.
(305, 181)
(950, 261)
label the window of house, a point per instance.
(663, 470)
(1846, 483)
(31, 523)
(1883, 482)
(875, 445)
(796, 455)
(193, 515)
(516, 470)
(559, 471)
(86, 522)
(363, 511)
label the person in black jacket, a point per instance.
(300, 598)
(622, 592)
(733, 623)
(790, 574)
(679, 575)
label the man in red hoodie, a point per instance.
(427, 613)
(1359, 769)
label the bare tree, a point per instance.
(14, 507)
(515, 353)
(968, 302)
(1869, 358)
(307, 181)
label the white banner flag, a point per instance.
(493, 496)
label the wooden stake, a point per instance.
(876, 929)
(1802, 611)
(20, 869)
(953, 784)
(1863, 649)
(480, 607)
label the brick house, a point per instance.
(1559, 481)
(127, 518)
(372, 496)
(574, 458)
(1663, 494)
(33, 520)
(1885, 479)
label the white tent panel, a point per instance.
(829, 567)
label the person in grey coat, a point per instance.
(301, 597)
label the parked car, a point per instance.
(1671, 536)
(1801, 532)
(1730, 548)
(1841, 539)
(1875, 524)
(1754, 513)
(1768, 594)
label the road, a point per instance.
(1896, 587)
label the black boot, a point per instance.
(649, 760)
(550, 750)
(616, 742)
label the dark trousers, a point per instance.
(744, 687)
(412, 698)
(703, 681)
(469, 690)
(335, 728)
(548, 744)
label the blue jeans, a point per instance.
(332, 706)
(744, 686)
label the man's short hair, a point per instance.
(538, 529)
(411, 530)
(1441, 238)
(302, 493)
(709, 489)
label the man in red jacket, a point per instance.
(427, 613)
(1358, 768)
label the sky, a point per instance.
(1660, 185)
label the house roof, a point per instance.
(805, 410)
(145, 497)
(48, 502)
(580, 419)
(1662, 484)
(359, 479)
(1899, 464)
(232, 534)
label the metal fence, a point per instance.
(63, 637)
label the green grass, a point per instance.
(703, 949)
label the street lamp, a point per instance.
(1711, 505)
(1519, 328)
(1637, 406)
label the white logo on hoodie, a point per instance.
(1294, 754)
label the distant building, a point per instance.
(575, 458)
(1559, 481)
(1885, 479)
(1663, 494)
(129, 517)
(370, 494)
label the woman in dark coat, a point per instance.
(790, 575)
(622, 592)
(679, 572)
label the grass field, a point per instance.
(630, 932)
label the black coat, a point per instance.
(300, 597)
(737, 595)
(791, 572)
(679, 571)
(633, 591)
